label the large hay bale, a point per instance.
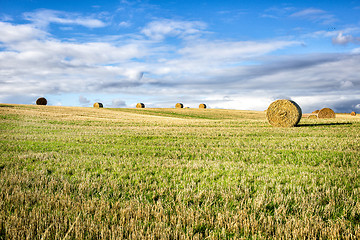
(326, 113)
(140, 105)
(41, 101)
(179, 105)
(202, 105)
(98, 105)
(316, 111)
(283, 113)
(313, 116)
(353, 113)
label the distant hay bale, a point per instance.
(283, 113)
(98, 105)
(202, 105)
(316, 111)
(353, 113)
(140, 105)
(179, 105)
(326, 113)
(41, 101)
(313, 116)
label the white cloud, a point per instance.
(249, 73)
(308, 12)
(83, 100)
(345, 39)
(225, 50)
(10, 33)
(315, 15)
(5, 18)
(30, 64)
(125, 24)
(244, 102)
(203, 60)
(346, 84)
(356, 51)
(42, 18)
(158, 30)
(117, 103)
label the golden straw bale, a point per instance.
(313, 116)
(284, 113)
(98, 105)
(202, 105)
(326, 113)
(41, 101)
(140, 105)
(316, 111)
(179, 105)
(353, 113)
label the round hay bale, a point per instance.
(313, 116)
(41, 101)
(202, 105)
(316, 111)
(326, 113)
(140, 105)
(179, 105)
(98, 105)
(353, 113)
(283, 113)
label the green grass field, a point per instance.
(85, 173)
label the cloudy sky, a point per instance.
(227, 54)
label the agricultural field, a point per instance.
(86, 173)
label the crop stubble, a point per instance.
(81, 173)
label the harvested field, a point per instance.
(81, 173)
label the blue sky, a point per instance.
(227, 54)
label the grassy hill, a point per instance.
(85, 173)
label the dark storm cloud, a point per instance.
(346, 106)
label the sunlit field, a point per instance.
(86, 173)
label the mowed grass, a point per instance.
(85, 173)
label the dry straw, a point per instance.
(353, 113)
(316, 111)
(202, 105)
(313, 116)
(326, 113)
(283, 113)
(179, 105)
(41, 101)
(98, 105)
(140, 105)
